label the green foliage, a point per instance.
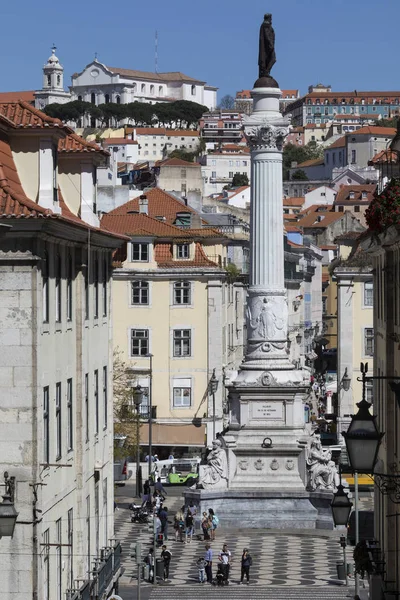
(299, 154)
(183, 155)
(240, 179)
(125, 415)
(181, 114)
(300, 175)
(227, 102)
(387, 122)
(384, 209)
(233, 272)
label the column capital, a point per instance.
(266, 134)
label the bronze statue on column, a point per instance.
(266, 54)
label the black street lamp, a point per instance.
(8, 514)
(137, 393)
(345, 382)
(298, 338)
(363, 439)
(341, 506)
(212, 389)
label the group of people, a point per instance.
(205, 564)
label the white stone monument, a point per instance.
(266, 441)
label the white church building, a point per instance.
(100, 84)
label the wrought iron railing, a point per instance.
(85, 592)
(104, 571)
(117, 557)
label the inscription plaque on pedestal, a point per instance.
(267, 411)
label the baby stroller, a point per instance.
(222, 577)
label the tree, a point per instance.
(299, 154)
(183, 155)
(125, 415)
(240, 179)
(300, 175)
(140, 113)
(227, 101)
(387, 122)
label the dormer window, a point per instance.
(364, 195)
(140, 252)
(351, 195)
(182, 251)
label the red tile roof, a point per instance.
(314, 162)
(141, 224)
(27, 96)
(23, 115)
(168, 76)
(176, 162)
(340, 143)
(316, 126)
(118, 141)
(299, 201)
(74, 143)
(343, 195)
(163, 131)
(372, 130)
(238, 190)
(164, 258)
(312, 219)
(384, 157)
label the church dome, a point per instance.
(52, 61)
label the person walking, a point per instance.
(146, 493)
(179, 525)
(163, 514)
(214, 523)
(246, 563)
(208, 558)
(158, 486)
(206, 526)
(192, 508)
(201, 565)
(225, 557)
(150, 562)
(166, 555)
(189, 523)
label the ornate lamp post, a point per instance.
(212, 389)
(341, 506)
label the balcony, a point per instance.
(104, 572)
(220, 179)
(104, 576)
(144, 412)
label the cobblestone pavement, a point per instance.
(285, 564)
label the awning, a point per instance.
(173, 435)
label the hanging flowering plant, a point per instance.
(384, 209)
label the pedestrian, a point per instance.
(201, 565)
(171, 457)
(206, 526)
(208, 557)
(189, 523)
(149, 560)
(246, 563)
(179, 525)
(166, 555)
(155, 458)
(192, 508)
(146, 492)
(163, 514)
(214, 523)
(225, 557)
(158, 487)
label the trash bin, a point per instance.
(341, 572)
(160, 568)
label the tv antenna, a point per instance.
(156, 52)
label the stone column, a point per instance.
(267, 311)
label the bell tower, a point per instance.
(53, 83)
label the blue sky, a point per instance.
(350, 44)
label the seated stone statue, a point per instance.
(321, 470)
(215, 473)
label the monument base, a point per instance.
(261, 509)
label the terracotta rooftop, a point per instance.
(141, 224)
(176, 162)
(319, 219)
(384, 157)
(340, 143)
(350, 235)
(168, 76)
(353, 194)
(372, 130)
(23, 115)
(75, 144)
(27, 96)
(299, 201)
(119, 141)
(163, 131)
(164, 257)
(314, 162)
(239, 190)
(316, 126)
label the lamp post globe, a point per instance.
(213, 383)
(298, 338)
(363, 440)
(8, 517)
(341, 506)
(137, 396)
(346, 381)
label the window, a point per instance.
(46, 564)
(140, 292)
(324, 304)
(369, 391)
(70, 550)
(49, 80)
(96, 287)
(58, 79)
(160, 91)
(231, 174)
(182, 393)
(341, 208)
(364, 195)
(58, 559)
(214, 163)
(58, 421)
(70, 422)
(214, 174)
(118, 99)
(58, 288)
(182, 342)
(368, 293)
(143, 88)
(96, 516)
(45, 287)
(152, 90)
(193, 90)
(96, 401)
(87, 407)
(368, 342)
(352, 195)
(88, 556)
(105, 511)
(139, 342)
(140, 252)
(107, 98)
(105, 398)
(182, 250)
(105, 276)
(46, 426)
(353, 157)
(356, 209)
(70, 275)
(182, 292)
(183, 173)
(93, 98)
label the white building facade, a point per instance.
(218, 170)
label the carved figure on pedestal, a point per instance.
(270, 320)
(215, 473)
(321, 470)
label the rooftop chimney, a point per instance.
(143, 205)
